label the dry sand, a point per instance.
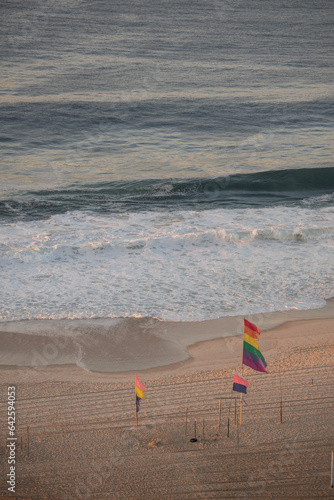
(83, 439)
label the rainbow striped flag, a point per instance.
(240, 384)
(139, 388)
(252, 356)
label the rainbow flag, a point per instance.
(252, 356)
(139, 389)
(240, 384)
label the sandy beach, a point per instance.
(76, 429)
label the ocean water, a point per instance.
(166, 159)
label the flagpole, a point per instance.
(281, 407)
(136, 413)
(139, 390)
(242, 370)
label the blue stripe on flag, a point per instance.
(240, 388)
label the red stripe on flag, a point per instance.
(251, 329)
(239, 380)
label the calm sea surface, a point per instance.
(170, 159)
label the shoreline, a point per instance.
(149, 346)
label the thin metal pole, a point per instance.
(242, 367)
(237, 433)
(281, 407)
(220, 411)
(228, 427)
(185, 432)
(281, 412)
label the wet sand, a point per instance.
(83, 439)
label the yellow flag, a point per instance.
(140, 393)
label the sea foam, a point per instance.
(176, 265)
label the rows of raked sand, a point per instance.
(84, 443)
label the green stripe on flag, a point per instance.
(253, 350)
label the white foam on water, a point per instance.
(176, 265)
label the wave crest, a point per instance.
(314, 186)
